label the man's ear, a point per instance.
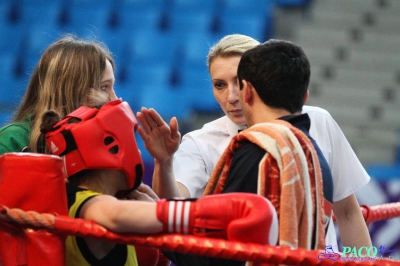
(247, 91)
(306, 97)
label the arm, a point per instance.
(348, 176)
(240, 216)
(162, 141)
(122, 216)
(352, 228)
(164, 183)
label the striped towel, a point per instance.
(289, 176)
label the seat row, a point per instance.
(169, 17)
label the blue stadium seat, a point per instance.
(130, 93)
(195, 47)
(192, 64)
(247, 6)
(32, 13)
(150, 73)
(257, 27)
(167, 101)
(90, 3)
(86, 20)
(184, 21)
(11, 92)
(190, 5)
(195, 85)
(8, 65)
(5, 118)
(197, 74)
(152, 46)
(39, 37)
(250, 17)
(11, 38)
(27, 64)
(138, 4)
(6, 8)
(140, 18)
(115, 39)
(40, 2)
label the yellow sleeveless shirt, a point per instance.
(77, 252)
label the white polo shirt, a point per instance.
(201, 149)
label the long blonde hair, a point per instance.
(66, 77)
(230, 45)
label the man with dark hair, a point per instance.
(273, 79)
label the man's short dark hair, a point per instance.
(279, 71)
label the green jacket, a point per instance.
(14, 137)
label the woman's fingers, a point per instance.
(156, 118)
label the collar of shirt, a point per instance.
(301, 121)
(232, 128)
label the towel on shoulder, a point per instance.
(289, 176)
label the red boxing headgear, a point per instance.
(102, 139)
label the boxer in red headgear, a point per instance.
(101, 160)
(91, 138)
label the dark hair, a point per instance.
(49, 119)
(279, 71)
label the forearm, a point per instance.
(352, 227)
(140, 218)
(164, 183)
(122, 216)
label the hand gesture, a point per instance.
(161, 140)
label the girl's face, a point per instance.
(107, 82)
(223, 71)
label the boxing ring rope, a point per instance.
(202, 246)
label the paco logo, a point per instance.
(354, 254)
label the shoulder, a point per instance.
(249, 148)
(315, 112)
(217, 125)
(14, 137)
(321, 117)
(314, 109)
(77, 196)
(207, 143)
(214, 129)
(16, 127)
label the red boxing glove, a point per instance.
(241, 217)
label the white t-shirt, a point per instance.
(201, 149)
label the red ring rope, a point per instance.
(191, 244)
